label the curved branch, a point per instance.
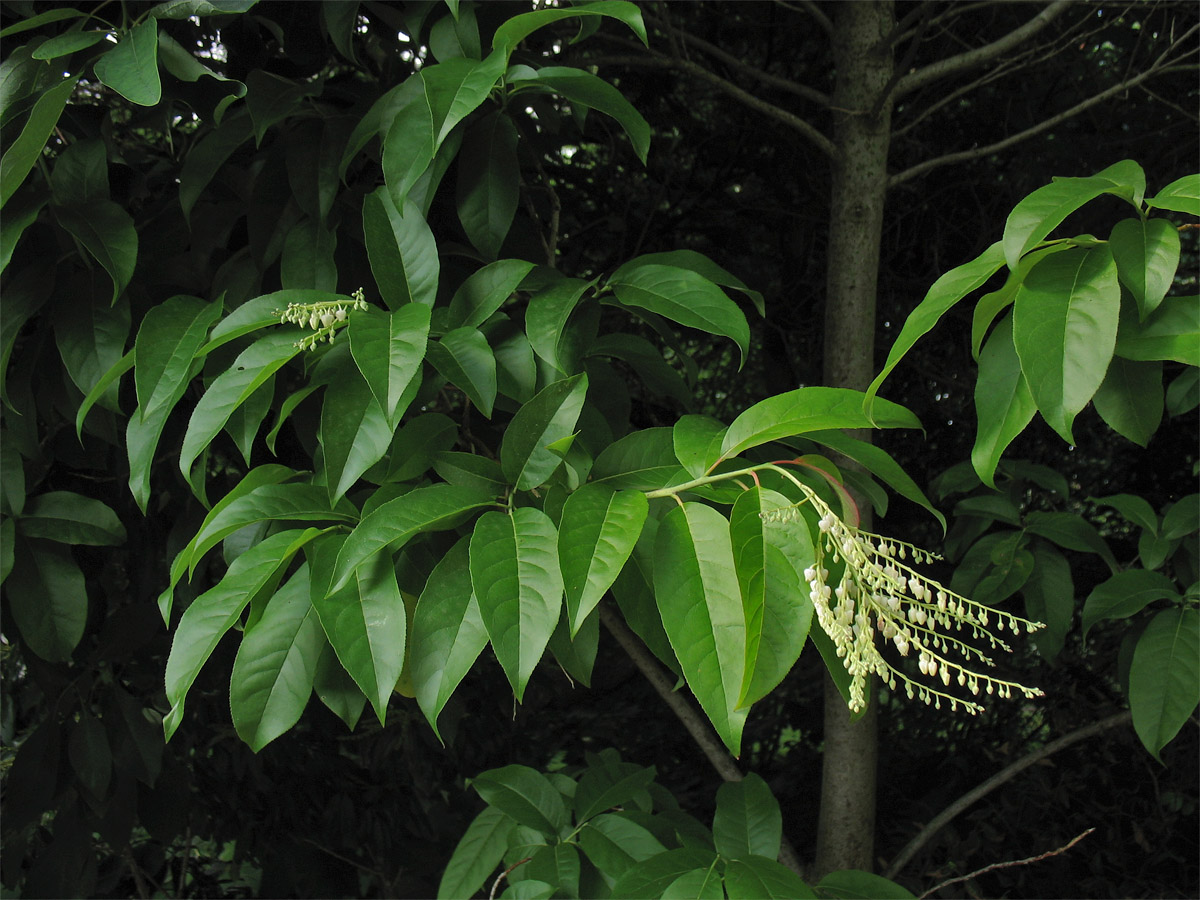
(937, 822)
(807, 6)
(696, 725)
(814, 135)
(981, 55)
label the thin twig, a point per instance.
(501, 876)
(1004, 775)
(1007, 865)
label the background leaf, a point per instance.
(1164, 678)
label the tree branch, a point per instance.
(653, 60)
(981, 55)
(808, 6)
(977, 152)
(941, 819)
(1008, 865)
(696, 725)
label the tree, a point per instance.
(463, 454)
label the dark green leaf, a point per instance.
(485, 291)
(1130, 399)
(207, 157)
(354, 431)
(402, 251)
(759, 878)
(1124, 595)
(488, 180)
(614, 843)
(1004, 404)
(747, 821)
(853, 884)
(1164, 678)
(550, 416)
(388, 349)
(587, 90)
(1070, 531)
(516, 29)
(71, 518)
(464, 358)
(131, 67)
(48, 600)
(650, 877)
(25, 151)
(1050, 599)
(107, 231)
(1147, 254)
(476, 855)
(524, 794)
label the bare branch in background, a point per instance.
(1010, 864)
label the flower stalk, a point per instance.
(324, 318)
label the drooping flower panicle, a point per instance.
(324, 317)
(880, 594)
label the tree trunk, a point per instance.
(863, 60)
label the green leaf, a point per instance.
(68, 43)
(650, 877)
(476, 855)
(992, 304)
(485, 291)
(1130, 399)
(1065, 328)
(701, 265)
(71, 518)
(516, 29)
(91, 755)
(1183, 517)
(276, 663)
(419, 442)
(218, 609)
(389, 527)
(557, 865)
(231, 389)
(1171, 332)
(106, 231)
(1164, 678)
(698, 884)
(336, 688)
(550, 416)
(854, 884)
(1004, 404)
(388, 349)
(179, 61)
(1039, 213)
(634, 594)
(697, 441)
(131, 67)
(701, 606)
(464, 358)
(585, 89)
(642, 460)
(517, 581)
(205, 159)
(1070, 531)
(1147, 254)
(526, 795)
(1050, 599)
(365, 621)
(614, 843)
(516, 369)
(91, 338)
(1183, 394)
(944, 294)
(47, 18)
(24, 152)
(1125, 594)
(546, 319)
(354, 434)
(684, 297)
(647, 361)
(262, 312)
(747, 821)
(447, 634)
(1135, 509)
(810, 409)
(47, 597)
(470, 470)
(308, 257)
(598, 531)
(186, 9)
(488, 182)
(759, 878)
(402, 251)
(20, 216)
(608, 783)
(1181, 195)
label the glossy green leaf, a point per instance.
(598, 531)
(487, 187)
(642, 460)
(354, 434)
(276, 662)
(1070, 531)
(218, 609)
(759, 878)
(1181, 195)
(262, 312)
(526, 795)
(747, 821)
(558, 865)
(1183, 394)
(485, 291)
(647, 361)
(609, 783)
(1164, 678)
(67, 43)
(476, 855)
(1065, 328)
(950, 288)
(464, 358)
(650, 877)
(388, 349)
(418, 442)
(516, 29)
(1050, 599)
(470, 470)
(701, 605)
(71, 518)
(698, 884)
(518, 584)
(447, 634)
(809, 409)
(47, 597)
(1171, 332)
(516, 369)
(992, 304)
(49, 17)
(185, 9)
(206, 158)
(1004, 404)
(550, 416)
(106, 231)
(402, 251)
(131, 67)
(854, 884)
(434, 508)
(684, 297)
(177, 60)
(697, 441)
(701, 265)
(587, 90)
(365, 621)
(1040, 212)
(335, 688)
(1146, 252)
(634, 592)
(24, 152)
(1130, 399)
(547, 315)
(614, 843)
(1125, 594)
(1182, 518)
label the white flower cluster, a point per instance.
(324, 318)
(880, 594)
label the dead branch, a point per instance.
(1006, 865)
